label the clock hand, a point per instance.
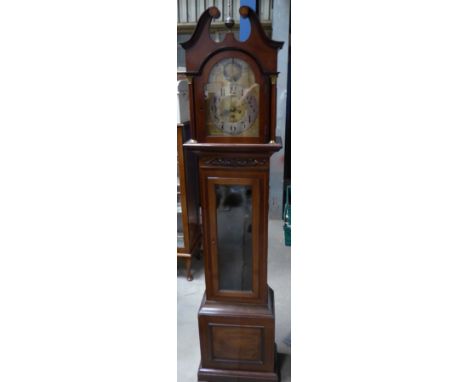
(247, 93)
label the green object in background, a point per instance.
(287, 218)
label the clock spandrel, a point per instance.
(232, 99)
(234, 236)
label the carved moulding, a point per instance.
(236, 162)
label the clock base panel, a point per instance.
(219, 375)
(223, 375)
(237, 341)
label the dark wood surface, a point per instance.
(223, 148)
(258, 178)
(202, 52)
(238, 337)
(236, 327)
(217, 375)
(201, 46)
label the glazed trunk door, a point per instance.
(233, 229)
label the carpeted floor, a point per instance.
(189, 295)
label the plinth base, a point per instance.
(218, 375)
(237, 342)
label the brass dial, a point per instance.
(232, 99)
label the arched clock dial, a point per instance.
(232, 99)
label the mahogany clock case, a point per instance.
(236, 318)
(236, 324)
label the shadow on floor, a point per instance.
(284, 365)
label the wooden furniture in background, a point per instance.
(188, 228)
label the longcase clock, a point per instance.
(232, 95)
